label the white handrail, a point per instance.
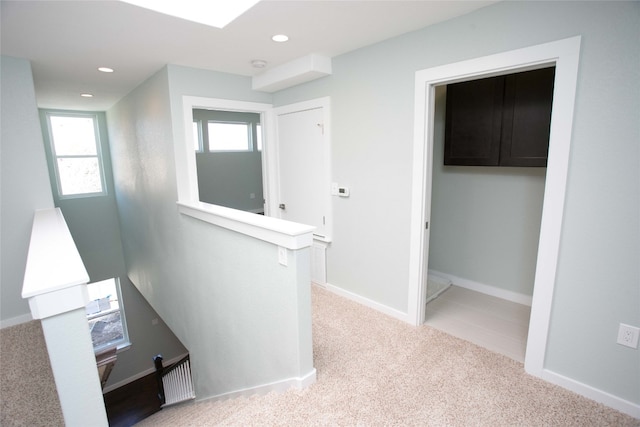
(53, 262)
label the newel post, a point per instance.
(55, 285)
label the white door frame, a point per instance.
(564, 54)
(325, 104)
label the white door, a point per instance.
(303, 177)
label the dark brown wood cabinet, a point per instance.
(500, 121)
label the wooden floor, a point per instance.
(133, 402)
(493, 323)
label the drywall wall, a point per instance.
(24, 182)
(245, 319)
(372, 99)
(485, 221)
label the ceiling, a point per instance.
(66, 41)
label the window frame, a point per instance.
(124, 342)
(54, 156)
(250, 143)
(198, 135)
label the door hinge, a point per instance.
(324, 221)
(321, 126)
(426, 227)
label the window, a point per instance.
(75, 151)
(229, 136)
(105, 314)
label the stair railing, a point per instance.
(174, 381)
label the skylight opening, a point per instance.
(214, 13)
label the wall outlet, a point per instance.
(283, 256)
(628, 335)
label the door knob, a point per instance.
(282, 206)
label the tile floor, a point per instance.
(493, 323)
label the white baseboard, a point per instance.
(139, 375)
(368, 303)
(278, 386)
(486, 289)
(6, 323)
(617, 403)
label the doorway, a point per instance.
(564, 54)
(485, 223)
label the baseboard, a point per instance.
(6, 323)
(278, 386)
(617, 403)
(486, 289)
(139, 375)
(368, 303)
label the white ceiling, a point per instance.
(67, 40)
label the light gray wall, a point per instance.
(94, 226)
(244, 318)
(229, 178)
(485, 221)
(372, 100)
(24, 180)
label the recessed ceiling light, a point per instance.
(86, 95)
(280, 38)
(105, 69)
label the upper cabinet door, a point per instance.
(526, 119)
(500, 121)
(473, 122)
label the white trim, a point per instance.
(290, 235)
(325, 104)
(13, 321)
(629, 408)
(278, 386)
(55, 278)
(139, 375)
(186, 172)
(396, 314)
(53, 261)
(565, 55)
(279, 232)
(504, 294)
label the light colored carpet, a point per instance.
(377, 371)
(28, 395)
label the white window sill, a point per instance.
(287, 234)
(120, 347)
